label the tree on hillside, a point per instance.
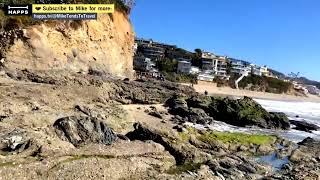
(167, 65)
(196, 60)
(229, 67)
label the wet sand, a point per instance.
(212, 89)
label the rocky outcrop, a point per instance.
(304, 126)
(239, 112)
(182, 152)
(193, 153)
(105, 44)
(178, 106)
(146, 92)
(122, 91)
(305, 162)
(84, 130)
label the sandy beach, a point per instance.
(212, 89)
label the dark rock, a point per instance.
(95, 72)
(123, 137)
(310, 143)
(147, 92)
(279, 120)
(155, 114)
(126, 79)
(179, 128)
(153, 108)
(182, 152)
(28, 75)
(178, 106)
(240, 112)
(2, 117)
(245, 112)
(82, 130)
(246, 168)
(83, 109)
(304, 126)
(198, 116)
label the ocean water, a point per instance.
(296, 110)
(307, 111)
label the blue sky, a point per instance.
(283, 34)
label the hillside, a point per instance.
(307, 81)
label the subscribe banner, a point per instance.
(64, 16)
(72, 8)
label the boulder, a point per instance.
(179, 106)
(199, 116)
(182, 152)
(80, 130)
(304, 126)
(312, 145)
(246, 112)
(279, 120)
(298, 155)
(147, 92)
(155, 114)
(239, 112)
(14, 141)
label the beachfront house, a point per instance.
(185, 66)
(152, 49)
(141, 63)
(259, 71)
(152, 52)
(221, 67)
(216, 64)
(239, 66)
(207, 55)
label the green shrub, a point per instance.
(182, 78)
(267, 84)
(235, 137)
(167, 65)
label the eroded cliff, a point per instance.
(105, 44)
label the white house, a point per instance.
(239, 66)
(184, 66)
(259, 71)
(141, 63)
(218, 64)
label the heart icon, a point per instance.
(38, 8)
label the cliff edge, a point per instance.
(104, 44)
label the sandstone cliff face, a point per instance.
(105, 44)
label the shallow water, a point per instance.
(307, 111)
(272, 159)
